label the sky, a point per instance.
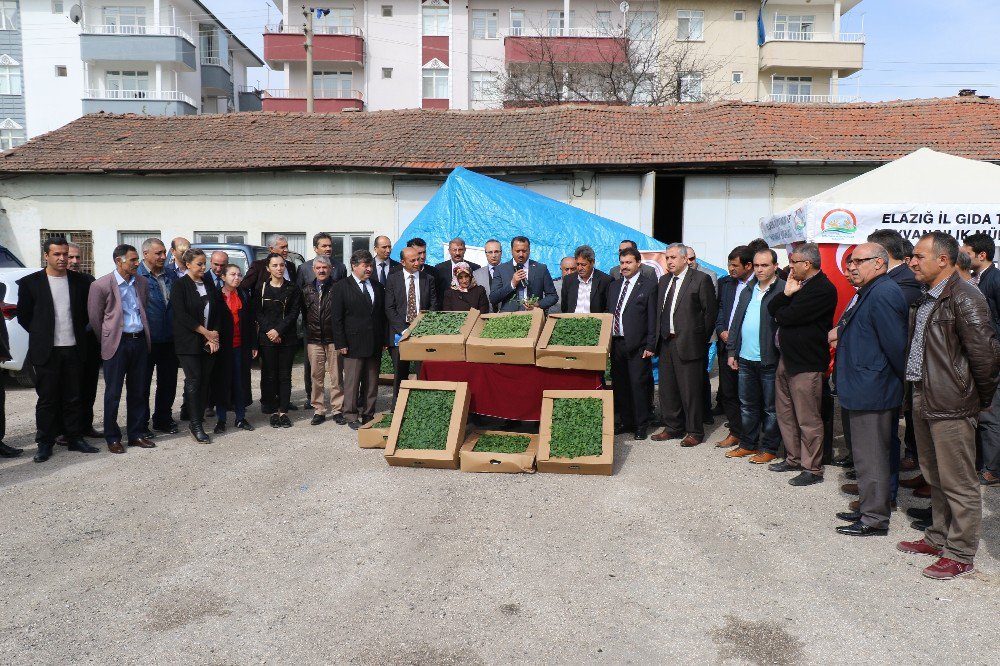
(914, 48)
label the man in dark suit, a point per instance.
(5, 451)
(305, 275)
(484, 275)
(407, 293)
(521, 278)
(117, 309)
(257, 273)
(730, 287)
(52, 308)
(420, 245)
(687, 311)
(445, 271)
(91, 357)
(384, 265)
(586, 290)
(871, 364)
(633, 341)
(358, 332)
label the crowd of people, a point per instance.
(918, 342)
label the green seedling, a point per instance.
(439, 323)
(577, 427)
(385, 366)
(383, 422)
(507, 328)
(426, 419)
(576, 332)
(489, 443)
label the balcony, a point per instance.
(145, 102)
(331, 44)
(216, 80)
(811, 50)
(577, 45)
(294, 100)
(132, 43)
(813, 99)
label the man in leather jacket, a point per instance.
(317, 303)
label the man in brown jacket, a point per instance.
(953, 343)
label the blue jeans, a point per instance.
(235, 389)
(757, 407)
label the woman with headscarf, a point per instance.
(465, 294)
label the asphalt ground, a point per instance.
(294, 546)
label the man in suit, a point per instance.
(217, 264)
(687, 311)
(980, 249)
(484, 274)
(871, 362)
(162, 356)
(52, 308)
(407, 293)
(586, 288)
(175, 266)
(633, 340)
(445, 271)
(644, 268)
(358, 332)
(384, 264)
(5, 451)
(304, 276)
(91, 357)
(567, 267)
(117, 309)
(420, 245)
(521, 278)
(740, 268)
(257, 273)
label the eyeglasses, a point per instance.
(858, 262)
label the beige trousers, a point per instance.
(324, 360)
(798, 401)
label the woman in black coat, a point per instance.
(465, 294)
(238, 346)
(197, 311)
(276, 304)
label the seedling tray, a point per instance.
(597, 464)
(445, 458)
(372, 437)
(436, 347)
(514, 351)
(505, 463)
(594, 357)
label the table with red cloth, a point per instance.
(509, 391)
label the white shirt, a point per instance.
(203, 291)
(64, 336)
(365, 287)
(678, 281)
(381, 265)
(628, 286)
(406, 289)
(740, 284)
(583, 294)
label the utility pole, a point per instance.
(307, 28)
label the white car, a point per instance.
(22, 371)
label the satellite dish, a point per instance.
(75, 14)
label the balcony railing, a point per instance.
(813, 99)
(558, 32)
(152, 95)
(218, 62)
(318, 30)
(300, 93)
(810, 36)
(163, 30)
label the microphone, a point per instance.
(523, 283)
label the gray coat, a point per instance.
(768, 327)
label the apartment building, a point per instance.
(61, 59)
(390, 54)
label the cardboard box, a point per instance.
(373, 438)
(517, 351)
(602, 464)
(446, 458)
(506, 463)
(574, 358)
(436, 347)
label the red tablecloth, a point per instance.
(509, 391)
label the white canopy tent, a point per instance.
(923, 191)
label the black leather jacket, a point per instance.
(318, 309)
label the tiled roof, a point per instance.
(730, 134)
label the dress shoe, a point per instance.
(664, 436)
(740, 453)
(220, 428)
(851, 475)
(855, 505)
(80, 445)
(199, 434)
(61, 440)
(92, 433)
(850, 489)
(859, 529)
(339, 419)
(918, 547)
(142, 443)
(243, 424)
(843, 461)
(622, 429)
(641, 434)
(355, 425)
(783, 466)
(762, 458)
(44, 453)
(275, 421)
(946, 569)
(915, 482)
(284, 421)
(730, 441)
(988, 478)
(921, 525)
(317, 419)
(9, 451)
(919, 514)
(690, 441)
(171, 428)
(291, 408)
(307, 404)
(849, 516)
(923, 492)
(367, 418)
(116, 447)
(149, 434)
(908, 464)
(804, 479)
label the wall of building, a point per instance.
(50, 40)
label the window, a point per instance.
(10, 76)
(642, 25)
(57, 7)
(296, 242)
(208, 41)
(127, 84)
(484, 23)
(739, 15)
(604, 24)
(136, 238)
(128, 20)
(435, 21)
(238, 237)
(340, 21)
(8, 15)
(435, 84)
(333, 85)
(387, 72)
(690, 87)
(483, 86)
(516, 22)
(387, 11)
(85, 239)
(556, 22)
(791, 88)
(11, 135)
(737, 77)
(795, 28)
(62, 70)
(690, 24)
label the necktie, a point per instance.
(381, 274)
(411, 301)
(668, 302)
(618, 309)
(491, 274)
(368, 295)
(218, 282)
